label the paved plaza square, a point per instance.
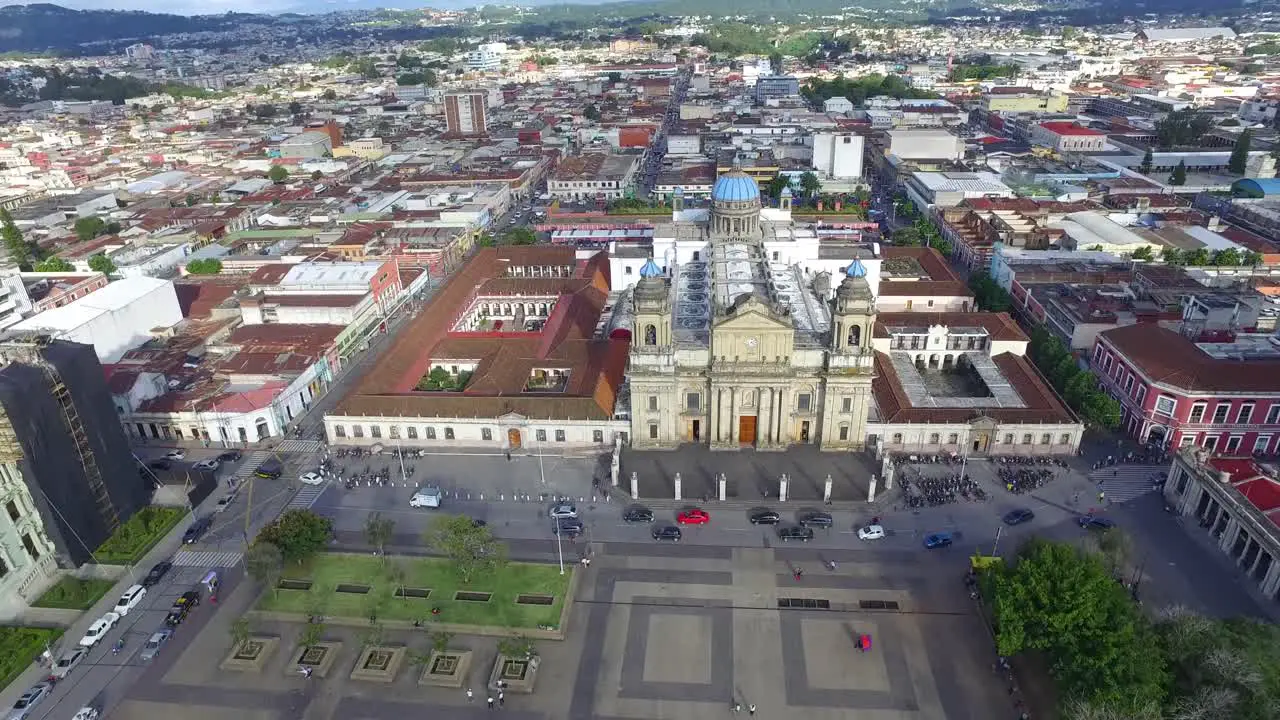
(655, 632)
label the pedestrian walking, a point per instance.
(491, 702)
(502, 698)
(737, 707)
(1101, 497)
(470, 695)
(751, 709)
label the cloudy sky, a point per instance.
(215, 7)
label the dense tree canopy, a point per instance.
(857, 90)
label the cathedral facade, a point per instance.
(732, 348)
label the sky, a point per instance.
(217, 7)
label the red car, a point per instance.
(693, 516)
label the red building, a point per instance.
(1176, 392)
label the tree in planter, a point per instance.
(517, 647)
(378, 530)
(1179, 174)
(101, 263)
(311, 635)
(1147, 159)
(264, 562)
(298, 533)
(239, 634)
(1239, 159)
(472, 550)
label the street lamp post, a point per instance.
(559, 547)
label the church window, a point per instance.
(653, 402)
(846, 405)
(897, 438)
(653, 431)
(844, 432)
(804, 402)
(693, 402)
(855, 336)
(650, 335)
(933, 439)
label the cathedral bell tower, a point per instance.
(653, 310)
(855, 312)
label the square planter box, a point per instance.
(319, 657)
(446, 669)
(378, 663)
(516, 674)
(252, 655)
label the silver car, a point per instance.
(563, 510)
(152, 648)
(69, 660)
(25, 704)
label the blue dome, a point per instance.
(650, 270)
(735, 186)
(856, 269)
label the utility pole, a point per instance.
(248, 512)
(995, 547)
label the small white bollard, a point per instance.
(871, 490)
(782, 489)
(888, 479)
(635, 487)
(678, 495)
(826, 490)
(724, 487)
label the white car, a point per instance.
(99, 629)
(176, 454)
(870, 532)
(210, 464)
(563, 510)
(130, 599)
(311, 478)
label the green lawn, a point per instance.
(327, 570)
(74, 594)
(128, 544)
(19, 646)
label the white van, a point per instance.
(425, 496)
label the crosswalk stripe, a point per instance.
(306, 497)
(300, 446)
(1122, 483)
(188, 558)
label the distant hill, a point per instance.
(43, 27)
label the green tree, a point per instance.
(278, 174)
(14, 244)
(205, 266)
(264, 563)
(1171, 255)
(519, 236)
(1179, 174)
(378, 531)
(810, 184)
(1143, 253)
(775, 61)
(298, 533)
(265, 110)
(1182, 127)
(1229, 257)
(591, 112)
(239, 632)
(101, 263)
(88, 228)
(295, 107)
(1198, 257)
(311, 634)
(908, 236)
(472, 549)
(54, 264)
(485, 240)
(192, 199)
(1249, 258)
(777, 184)
(329, 94)
(1063, 603)
(1147, 158)
(1239, 160)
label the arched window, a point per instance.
(650, 335)
(855, 336)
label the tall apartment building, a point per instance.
(464, 112)
(67, 475)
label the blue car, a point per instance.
(937, 540)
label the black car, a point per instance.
(1093, 522)
(197, 530)
(161, 464)
(764, 516)
(1019, 516)
(158, 571)
(795, 532)
(272, 469)
(229, 456)
(637, 514)
(568, 527)
(667, 532)
(816, 519)
(182, 607)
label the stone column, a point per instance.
(1256, 558)
(1229, 535)
(1271, 579)
(826, 490)
(782, 488)
(635, 487)
(871, 490)
(678, 483)
(719, 436)
(733, 415)
(784, 432)
(723, 486)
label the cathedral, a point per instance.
(749, 329)
(733, 347)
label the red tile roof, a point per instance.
(1068, 128)
(1248, 478)
(1169, 358)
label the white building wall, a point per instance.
(116, 331)
(471, 432)
(838, 155)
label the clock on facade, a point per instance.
(752, 343)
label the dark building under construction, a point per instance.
(60, 433)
